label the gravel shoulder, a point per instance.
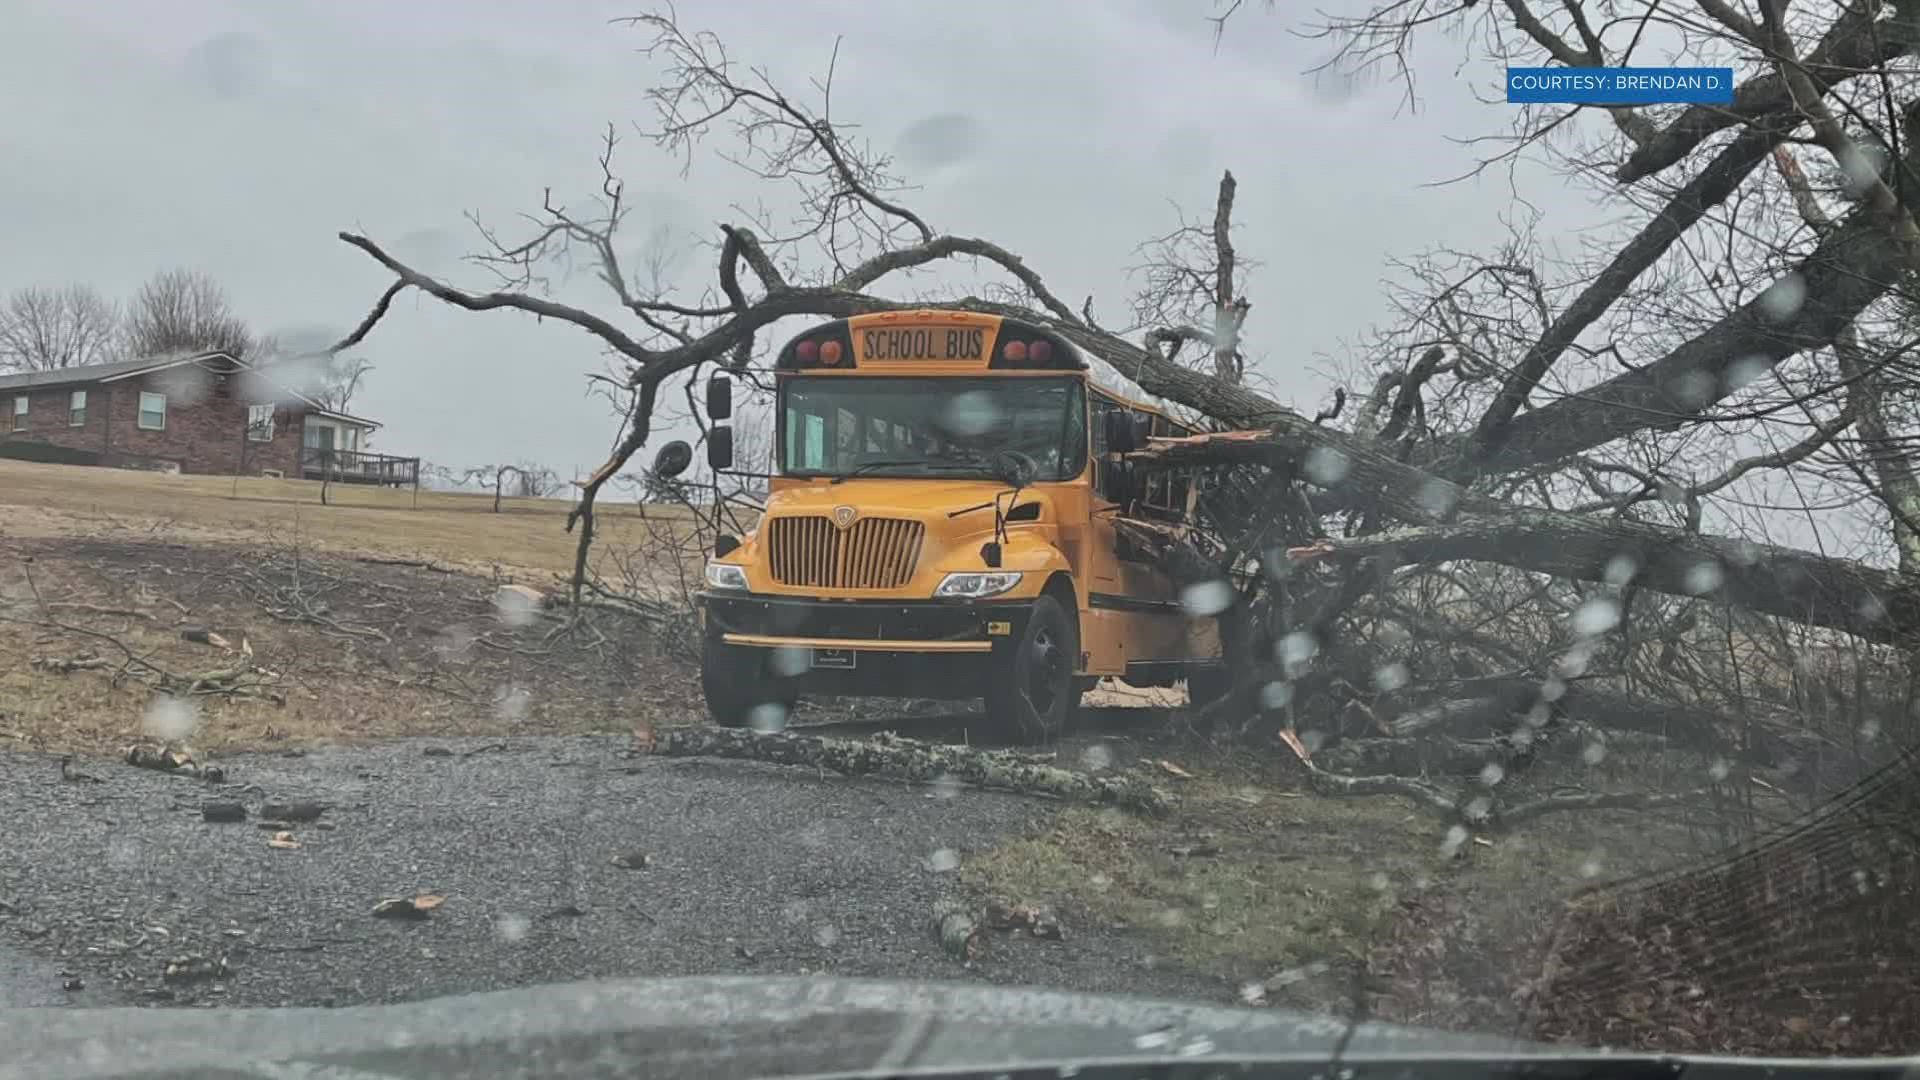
(747, 869)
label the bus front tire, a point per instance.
(735, 682)
(1035, 691)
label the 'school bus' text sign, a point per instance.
(1619, 86)
(923, 342)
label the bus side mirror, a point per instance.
(719, 398)
(720, 447)
(1121, 484)
(1121, 434)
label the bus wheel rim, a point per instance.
(1044, 671)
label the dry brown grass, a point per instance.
(527, 538)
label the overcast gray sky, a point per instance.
(238, 137)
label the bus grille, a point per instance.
(874, 553)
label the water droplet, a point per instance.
(1153, 1040)
(1099, 882)
(1450, 845)
(1492, 773)
(1691, 389)
(1438, 497)
(1380, 882)
(1872, 609)
(826, 935)
(1573, 663)
(1620, 570)
(1703, 577)
(789, 661)
(1171, 917)
(1206, 598)
(454, 642)
(1595, 617)
(1276, 695)
(511, 704)
(1784, 298)
(1296, 649)
(1745, 370)
(972, 413)
(1594, 753)
(1326, 466)
(1719, 769)
(1590, 868)
(1390, 677)
(1539, 714)
(171, 719)
(945, 786)
(1860, 167)
(1096, 757)
(943, 861)
(1313, 739)
(514, 607)
(512, 928)
(1552, 690)
(1252, 993)
(1477, 808)
(767, 717)
(1870, 728)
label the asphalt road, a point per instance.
(747, 869)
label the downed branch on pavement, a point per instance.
(890, 755)
(956, 929)
(167, 759)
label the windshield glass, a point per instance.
(911, 426)
(1391, 509)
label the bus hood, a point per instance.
(928, 500)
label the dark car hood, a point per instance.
(683, 1027)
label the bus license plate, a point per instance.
(833, 658)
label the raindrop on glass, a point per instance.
(1206, 598)
(1718, 770)
(1491, 773)
(1477, 808)
(1096, 757)
(1450, 844)
(1703, 577)
(1620, 569)
(1276, 695)
(1594, 753)
(1252, 993)
(1438, 497)
(1872, 609)
(511, 704)
(1099, 882)
(826, 935)
(1296, 648)
(1745, 371)
(1390, 677)
(789, 661)
(1595, 617)
(767, 717)
(943, 860)
(1692, 389)
(1552, 690)
(972, 413)
(171, 719)
(1590, 868)
(1870, 728)
(1379, 881)
(945, 786)
(513, 607)
(1784, 298)
(1198, 1046)
(1326, 466)
(512, 928)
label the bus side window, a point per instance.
(1159, 483)
(1101, 406)
(1182, 479)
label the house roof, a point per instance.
(116, 370)
(88, 373)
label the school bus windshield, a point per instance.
(930, 426)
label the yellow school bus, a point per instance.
(940, 523)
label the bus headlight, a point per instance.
(722, 575)
(973, 584)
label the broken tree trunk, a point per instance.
(1870, 603)
(890, 755)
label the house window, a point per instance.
(20, 413)
(77, 408)
(153, 411)
(260, 423)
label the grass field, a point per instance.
(527, 537)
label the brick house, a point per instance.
(210, 413)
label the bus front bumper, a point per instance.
(914, 648)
